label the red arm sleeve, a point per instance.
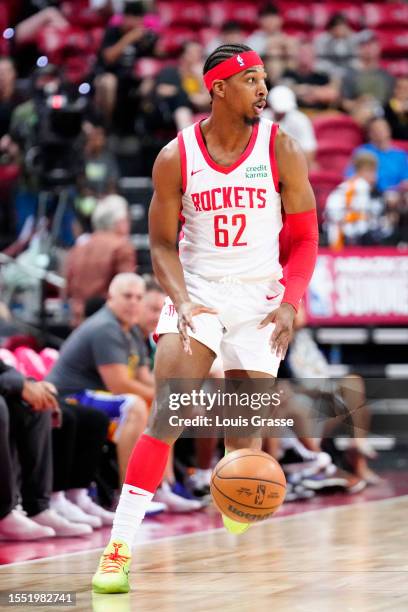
(302, 238)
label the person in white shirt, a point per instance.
(351, 210)
(284, 110)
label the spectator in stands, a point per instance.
(9, 98)
(77, 448)
(29, 121)
(101, 173)
(336, 47)
(392, 171)
(187, 75)
(93, 262)
(231, 33)
(107, 353)
(26, 409)
(269, 32)
(282, 102)
(314, 90)
(352, 212)
(366, 87)
(122, 45)
(396, 110)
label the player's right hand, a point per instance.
(186, 311)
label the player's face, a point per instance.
(246, 94)
(126, 302)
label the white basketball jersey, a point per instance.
(231, 215)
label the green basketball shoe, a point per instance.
(112, 575)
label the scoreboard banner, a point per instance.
(359, 286)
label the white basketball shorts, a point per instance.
(233, 333)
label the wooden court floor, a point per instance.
(343, 559)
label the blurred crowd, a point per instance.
(90, 90)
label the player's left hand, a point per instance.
(283, 318)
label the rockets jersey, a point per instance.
(231, 214)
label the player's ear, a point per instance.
(219, 88)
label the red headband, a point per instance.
(231, 66)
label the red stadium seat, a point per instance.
(80, 14)
(338, 128)
(4, 22)
(324, 10)
(396, 67)
(401, 144)
(30, 363)
(333, 157)
(394, 42)
(172, 40)
(49, 357)
(298, 15)
(323, 182)
(188, 13)
(385, 16)
(207, 35)
(245, 13)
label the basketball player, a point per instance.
(230, 175)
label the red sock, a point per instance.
(147, 463)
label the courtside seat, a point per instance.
(29, 363)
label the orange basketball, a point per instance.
(248, 485)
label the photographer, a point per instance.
(47, 130)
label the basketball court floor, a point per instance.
(336, 553)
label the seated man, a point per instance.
(103, 364)
(25, 426)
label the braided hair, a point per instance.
(222, 53)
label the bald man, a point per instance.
(104, 364)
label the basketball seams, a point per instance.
(249, 478)
(261, 456)
(239, 503)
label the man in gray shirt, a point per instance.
(103, 364)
